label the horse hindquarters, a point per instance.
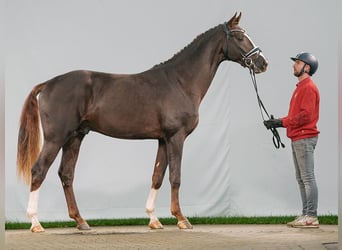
(59, 125)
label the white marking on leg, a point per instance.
(32, 207)
(151, 204)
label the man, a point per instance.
(301, 128)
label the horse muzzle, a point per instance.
(255, 60)
(258, 63)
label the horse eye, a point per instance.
(240, 38)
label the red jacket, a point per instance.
(301, 121)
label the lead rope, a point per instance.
(276, 138)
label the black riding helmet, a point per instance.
(309, 59)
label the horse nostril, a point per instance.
(261, 63)
(265, 65)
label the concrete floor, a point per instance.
(201, 237)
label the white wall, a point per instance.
(233, 171)
(2, 129)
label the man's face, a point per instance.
(297, 67)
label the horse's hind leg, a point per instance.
(66, 174)
(157, 179)
(38, 172)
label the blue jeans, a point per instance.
(303, 156)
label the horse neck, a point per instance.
(197, 65)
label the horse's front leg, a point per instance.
(174, 152)
(157, 180)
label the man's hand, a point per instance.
(273, 123)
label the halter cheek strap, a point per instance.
(225, 29)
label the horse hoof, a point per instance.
(83, 227)
(37, 229)
(184, 224)
(155, 225)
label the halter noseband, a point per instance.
(246, 57)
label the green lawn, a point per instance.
(323, 219)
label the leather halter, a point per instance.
(248, 62)
(246, 57)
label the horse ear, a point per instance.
(238, 18)
(234, 20)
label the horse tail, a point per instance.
(29, 142)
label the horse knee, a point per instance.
(175, 178)
(175, 183)
(157, 182)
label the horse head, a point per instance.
(240, 47)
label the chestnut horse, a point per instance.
(161, 103)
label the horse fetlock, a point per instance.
(175, 211)
(31, 213)
(77, 217)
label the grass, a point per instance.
(323, 219)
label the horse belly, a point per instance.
(125, 123)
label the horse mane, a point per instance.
(190, 47)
